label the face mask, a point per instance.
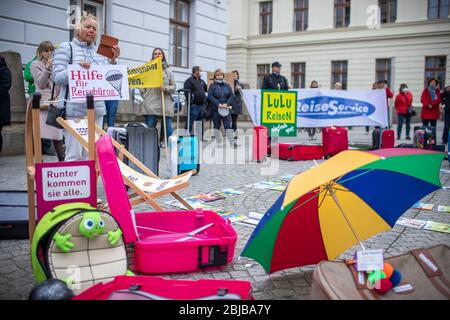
(404, 90)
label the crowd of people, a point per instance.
(220, 102)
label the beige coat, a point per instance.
(152, 97)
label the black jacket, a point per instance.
(220, 93)
(198, 89)
(275, 82)
(237, 104)
(445, 99)
(5, 85)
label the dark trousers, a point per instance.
(217, 121)
(1, 139)
(446, 125)
(234, 118)
(403, 118)
(429, 123)
(195, 114)
(111, 112)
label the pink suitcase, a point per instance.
(162, 244)
(334, 140)
(157, 288)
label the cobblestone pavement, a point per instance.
(16, 280)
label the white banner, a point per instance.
(105, 82)
(326, 108)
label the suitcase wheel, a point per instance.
(290, 159)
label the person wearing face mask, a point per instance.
(221, 97)
(81, 50)
(431, 99)
(152, 98)
(445, 97)
(403, 102)
(275, 81)
(41, 71)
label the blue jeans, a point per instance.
(195, 114)
(151, 120)
(403, 118)
(111, 111)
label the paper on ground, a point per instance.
(411, 223)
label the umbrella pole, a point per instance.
(345, 217)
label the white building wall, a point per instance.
(25, 24)
(408, 43)
(140, 25)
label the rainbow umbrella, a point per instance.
(347, 199)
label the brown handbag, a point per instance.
(427, 270)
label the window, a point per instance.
(383, 70)
(265, 17)
(341, 13)
(94, 7)
(179, 33)
(388, 11)
(339, 73)
(301, 15)
(262, 70)
(435, 67)
(298, 75)
(438, 9)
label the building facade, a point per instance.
(191, 32)
(356, 42)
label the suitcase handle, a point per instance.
(215, 258)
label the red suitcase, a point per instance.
(260, 143)
(383, 139)
(157, 288)
(388, 139)
(334, 141)
(297, 152)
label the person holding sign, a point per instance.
(221, 97)
(80, 50)
(153, 98)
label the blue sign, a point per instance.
(324, 107)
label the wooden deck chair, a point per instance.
(146, 187)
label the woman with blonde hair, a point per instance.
(81, 50)
(221, 97)
(41, 71)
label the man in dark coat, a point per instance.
(5, 102)
(198, 89)
(275, 81)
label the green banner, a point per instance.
(279, 112)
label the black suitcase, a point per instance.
(143, 143)
(13, 215)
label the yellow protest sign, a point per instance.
(148, 75)
(279, 112)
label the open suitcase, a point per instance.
(297, 152)
(165, 242)
(427, 270)
(157, 288)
